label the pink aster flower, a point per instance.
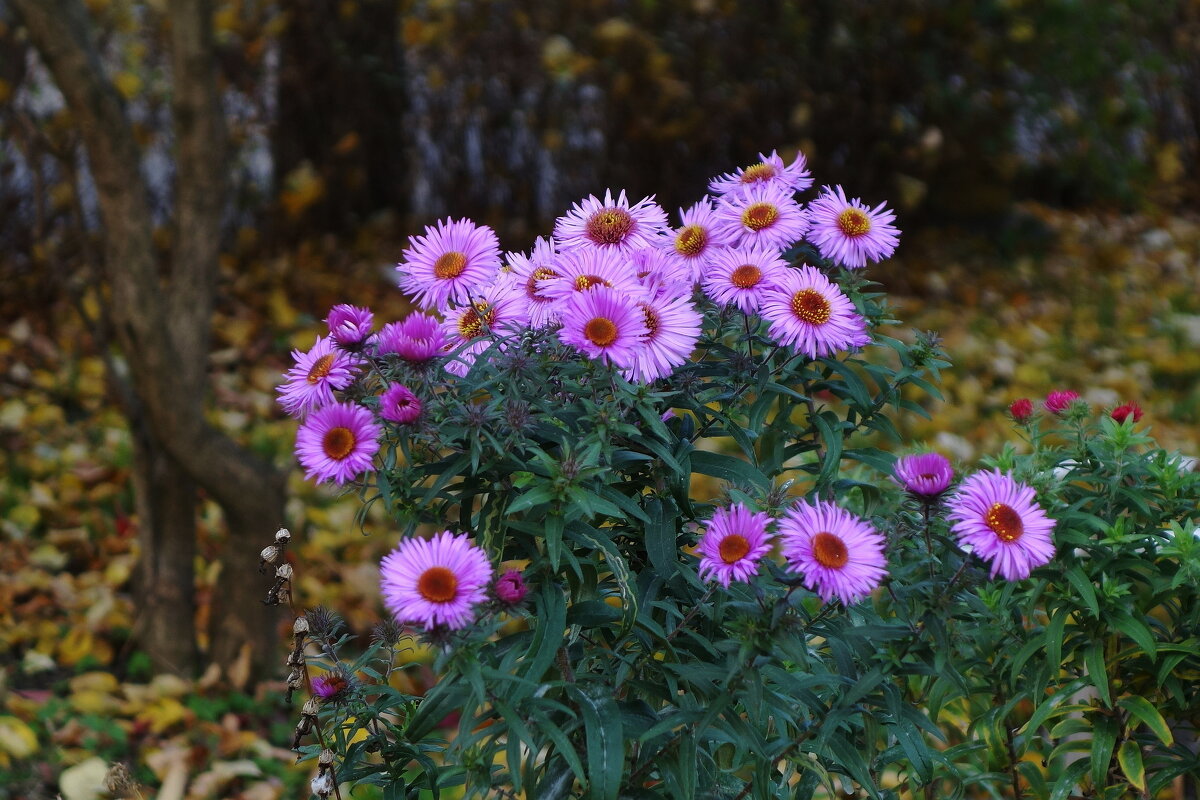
(742, 276)
(349, 325)
(673, 326)
(330, 686)
(310, 383)
(697, 240)
(850, 233)
(762, 216)
(416, 339)
(838, 554)
(510, 588)
(732, 545)
(528, 271)
(1000, 520)
(610, 224)
(444, 265)
(1122, 413)
(497, 314)
(808, 312)
(1059, 402)
(337, 443)
(925, 475)
(1021, 410)
(398, 404)
(768, 171)
(604, 324)
(436, 581)
(582, 270)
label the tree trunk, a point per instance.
(164, 326)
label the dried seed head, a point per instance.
(283, 536)
(326, 757)
(322, 784)
(284, 571)
(300, 626)
(311, 706)
(295, 658)
(119, 782)
(269, 554)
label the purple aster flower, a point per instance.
(733, 543)
(839, 554)
(510, 588)
(850, 233)
(310, 383)
(444, 265)
(330, 686)
(528, 271)
(436, 581)
(1000, 520)
(769, 171)
(349, 325)
(742, 276)
(581, 270)
(398, 404)
(417, 338)
(762, 216)
(673, 326)
(497, 314)
(925, 475)
(605, 324)
(697, 240)
(808, 312)
(656, 271)
(610, 224)
(1058, 402)
(337, 443)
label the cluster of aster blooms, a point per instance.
(1060, 403)
(840, 556)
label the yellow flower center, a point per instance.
(1004, 522)
(760, 215)
(651, 319)
(758, 172)
(691, 241)
(600, 331)
(745, 276)
(853, 222)
(471, 323)
(531, 285)
(320, 368)
(609, 226)
(829, 550)
(338, 443)
(733, 548)
(811, 306)
(438, 585)
(449, 265)
(585, 282)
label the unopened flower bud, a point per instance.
(510, 588)
(322, 784)
(284, 571)
(300, 626)
(283, 536)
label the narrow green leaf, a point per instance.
(1085, 589)
(1093, 657)
(1145, 711)
(605, 740)
(728, 468)
(547, 637)
(829, 427)
(1130, 759)
(1135, 629)
(1069, 778)
(1104, 739)
(661, 544)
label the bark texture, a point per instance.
(163, 322)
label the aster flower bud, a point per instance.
(510, 588)
(283, 536)
(1058, 402)
(1122, 413)
(349, 325)
(1021, 410)
(924, 475)
(322, 784)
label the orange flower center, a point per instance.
(733, 548)
(438, 585)
(531, 286)
(745, 276)
(811, 306)
(601, 331)
(760, 215)
(449, 265)
(829, 550)
(338, 443)
(609, 226)
(853, 222)
(585, 282)
(471, 323)
(651, 319)
(1004, 522)
(320, 368)
(691, 241)
(758, 172)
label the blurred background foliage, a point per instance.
(1042, 155)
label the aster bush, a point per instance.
(648, 521)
